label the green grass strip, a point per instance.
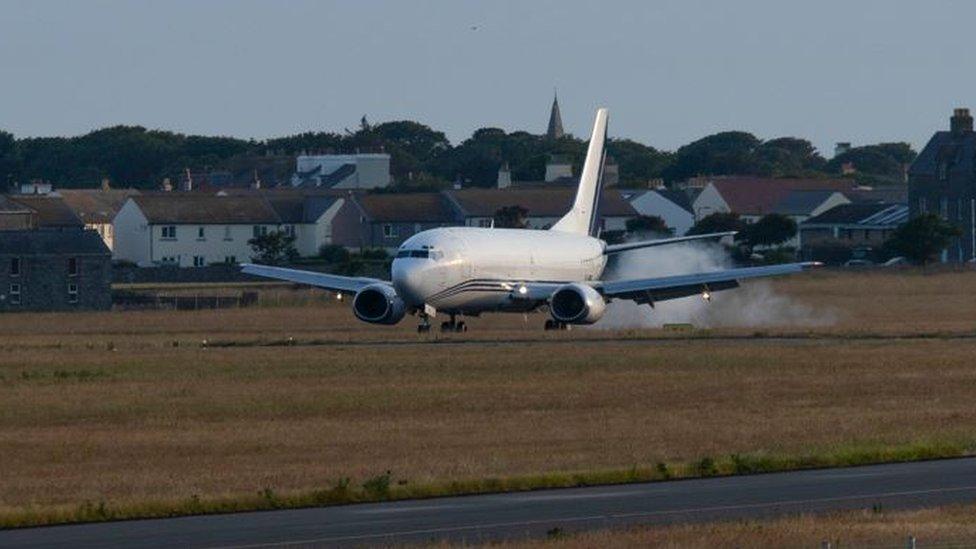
(385, 488)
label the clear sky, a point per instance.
(670, 71)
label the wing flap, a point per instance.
(617, 248)
(649, 290)
(332, 282)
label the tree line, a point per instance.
(422, 157)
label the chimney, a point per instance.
(188, 182)
(167, 185)
(106, 185)
(961, 122)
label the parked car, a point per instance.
(858, 263)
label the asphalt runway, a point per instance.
(499, 516)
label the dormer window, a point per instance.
(943, 171)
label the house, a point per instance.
(14, 216)
(836, 234)
(386, 220)
(754, 197)
(672, 206)
(96, 208)
(50, 212)
(54, 270)
(477, 207)
(942, 181)
(189, 229)
(306, 215)
(342, 171)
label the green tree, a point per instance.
(726, 153)
(9, 159)
(512, 217)
(647, 224)
(770, 230)
(273, 248)
(884, 159)
(922, 238)
(788, 157)
(718, 222)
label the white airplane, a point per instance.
(466, 271)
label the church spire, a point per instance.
(555, 130)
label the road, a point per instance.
(497, 516)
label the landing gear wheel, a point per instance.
(446, 327)
(550, 325)
(461, 327)
(555, 325)
(423, 329)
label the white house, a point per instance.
(194, 230)
(342, 171)
(97, 208)
(671, 206)
(754, 197)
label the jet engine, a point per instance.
(379, 304)
(576, 304)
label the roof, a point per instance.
(406, 207)
(802, 202)
(555, 128)
(956, 150)
(862, 214)
(759, 196)
(42, 242)
(540, 202)
(51, 211)
(8, 206)
(96, 205)
(203, 209)
(680, 198)
(295, 207)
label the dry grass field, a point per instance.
(942, 527)
(128, 408)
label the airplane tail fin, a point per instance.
(583, 217)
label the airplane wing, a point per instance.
(617, 248)
(336, 283)
(649, 290)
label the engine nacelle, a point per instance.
(379, 304)
(576, 304)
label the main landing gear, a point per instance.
(554, 325)
(447, 326)
(454, 325)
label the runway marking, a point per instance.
(556, 520)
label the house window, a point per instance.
(170, 260)
(231, 260)
(198, 261)
(169, 232)
(201, 233)
(290, 230)
(260, 230)
(72, 266)
(944, 208)
(485, 223)
(227, 234)
(15, 266)
(388, 230)
(15, 294)
(72, 293)
(923, 206)
(943, 171)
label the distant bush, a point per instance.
(373, 253)
(378, 486)
(334, 253)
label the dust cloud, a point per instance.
(753, 304)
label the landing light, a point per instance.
(706, 295)
(338, 296)
(523, 290)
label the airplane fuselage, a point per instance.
(469, 270)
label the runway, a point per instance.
(498, 516)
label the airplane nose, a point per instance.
(409, 281)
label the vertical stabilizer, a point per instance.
(582, 218)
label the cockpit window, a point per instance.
(422, 254)
(436, 255)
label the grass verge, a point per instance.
(385, 487)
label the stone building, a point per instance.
(53, 270)
(942, 180)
